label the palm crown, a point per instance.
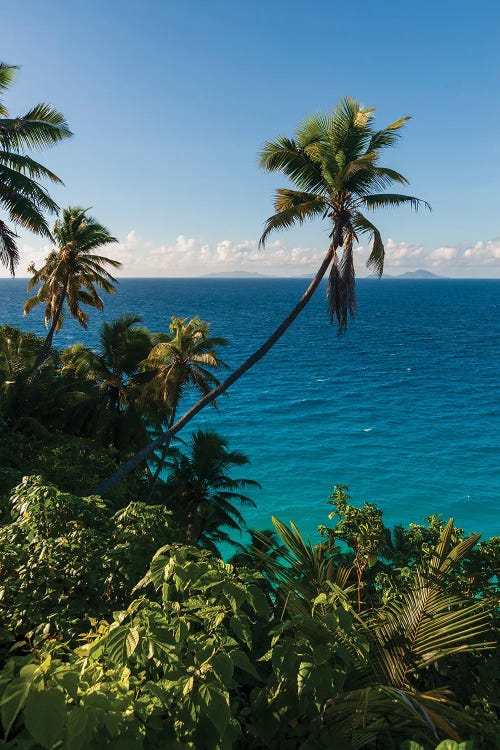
(73, 271)
(185, 357)
(334, 163)
(24, 199)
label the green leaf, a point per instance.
(223, 667)
(77, 728)
(452, 745)
(121, 643)
(69, 681)
(241, 660)
(13, 701)
(44, 716)
(411, 745)
(216, 705)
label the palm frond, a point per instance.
(341, 290)
(284, 155)
(9, 253)
(376, 258)
(287, 217)
(390, 200)
(388, 135)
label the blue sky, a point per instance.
(171, 101)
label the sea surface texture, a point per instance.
(404, 409)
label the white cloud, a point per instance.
(442, 255)
(187, 256)
(484, 252)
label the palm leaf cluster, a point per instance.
(334, 164)
(22, 196)
(111, 374)
(73, 272)
(425, 625)
(202, 491)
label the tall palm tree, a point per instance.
(71, 273)
(111, 370)
(333, 162)
(21, 195)
(182, 359)
(202, 492)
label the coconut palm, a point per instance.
(124, 344)
(202, 492)
(72, 273)
(21, 195)
(333, 162)
(184, 358)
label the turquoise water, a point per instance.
(404, 409)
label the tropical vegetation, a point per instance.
(122, 623)
(22, 196)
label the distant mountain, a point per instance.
(421, 273)
(236, 275)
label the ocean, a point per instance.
(403, 409)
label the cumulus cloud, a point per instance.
(484, 252)
(442, 255)
(188, 256)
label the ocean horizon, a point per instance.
(403, 409)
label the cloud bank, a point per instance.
(192, 257)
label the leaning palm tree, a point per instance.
(71, 273)
(111, 371)
(21, 195)
(334, 164)
(182, 359)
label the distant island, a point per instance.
(236, 275)
(421, 273)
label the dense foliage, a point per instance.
(116, 634)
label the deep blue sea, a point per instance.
(404, 409)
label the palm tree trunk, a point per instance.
(47, 344)
(164, 439)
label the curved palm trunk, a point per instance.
(164, 440)
(47, 344)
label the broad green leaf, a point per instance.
(13, 701)
(76, 728)
(121, 643)
(216, 705)
(452, 745)
(44, 716)
(223, 667)
(241, 660)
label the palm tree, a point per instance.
(111, 370)
(24, 199)
(71, 273)
(426, 624)
(333, 161)
(183, 359)
(202, 492)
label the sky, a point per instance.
(170, 103)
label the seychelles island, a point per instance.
(249, 356)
